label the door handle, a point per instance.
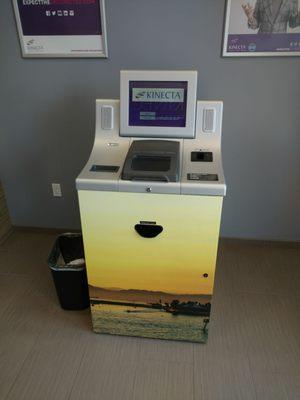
(148, 230)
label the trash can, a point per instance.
(67, 265)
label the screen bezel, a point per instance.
(157, 131)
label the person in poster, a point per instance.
(262, 28)
(272, 16)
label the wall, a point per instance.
(47, 114)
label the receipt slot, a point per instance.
(150, 202)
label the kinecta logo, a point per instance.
(32, 46)
(158, 95)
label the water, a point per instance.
(147, 322)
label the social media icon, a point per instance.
(48, 13)
(53, 13)
(59, 13)
(71, 13)
(66, 13)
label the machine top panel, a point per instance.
(172, 166)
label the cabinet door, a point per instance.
(180, 259)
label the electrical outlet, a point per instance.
(56, 189)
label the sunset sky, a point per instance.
(173, 262)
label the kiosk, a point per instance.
(150, 202)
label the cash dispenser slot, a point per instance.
(204, 156)
(150, 163)
(152, 160)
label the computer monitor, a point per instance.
(158, 103)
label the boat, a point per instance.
(158, 306)
(192, 308)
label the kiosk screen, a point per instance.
(158, 103)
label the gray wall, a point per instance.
(47, 114)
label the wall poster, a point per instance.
(61, 28)
(262, 28)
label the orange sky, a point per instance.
(173, 262)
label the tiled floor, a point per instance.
(253, 350)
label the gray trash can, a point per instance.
(67, 265)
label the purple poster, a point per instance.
(61, 27)
(262, 28)
(157, 103)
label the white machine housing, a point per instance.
(204, 123)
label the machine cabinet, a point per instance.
(150, 262)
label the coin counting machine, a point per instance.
(151, 192)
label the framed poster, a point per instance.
(262, 28)
(61, 28)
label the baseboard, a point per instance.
(260, 242)
(6, 235)
(44, 230)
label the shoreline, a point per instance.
(120, 303)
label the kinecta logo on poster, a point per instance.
(158, 95)
(32, 46)
(237, 47)
(56, 2)
(36, 2)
